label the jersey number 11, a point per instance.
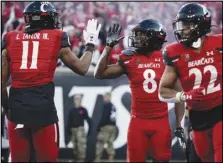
(25, 51)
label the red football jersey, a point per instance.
(33, 58)
(202, 69)
(144, 74)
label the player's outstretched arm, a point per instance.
(5, 78)
(103, 70)
(80, 66)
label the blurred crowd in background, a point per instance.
(74, 16)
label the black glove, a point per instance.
(179, 133)
(113, 35)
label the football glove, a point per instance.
(193, 96)
(113, 35)
(91, 32)
(179, 133)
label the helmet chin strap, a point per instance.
(197, 44)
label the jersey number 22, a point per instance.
(198, 78)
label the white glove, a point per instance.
(91, 32)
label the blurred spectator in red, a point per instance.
(112, 9)
(80, 18)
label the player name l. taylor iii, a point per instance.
(33, 36)
(149, 65)
(202, 61)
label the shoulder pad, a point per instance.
(128, 52)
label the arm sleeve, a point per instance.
(166, 59)
(65, 41)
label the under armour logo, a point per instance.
(157, 59)
(210, 53)
(188, 97)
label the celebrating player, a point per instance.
(197, 61)
(30, 57)
(149, 128)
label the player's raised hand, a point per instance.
(113, 35)
(179, 133)
(192, 97)
(91, 32)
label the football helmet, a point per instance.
(40, 15)
(192, 21)
(147, 36)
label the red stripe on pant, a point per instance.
(45, 142)
(208, 143)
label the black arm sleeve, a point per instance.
(4, 43)
(166, 59)
(65, 41)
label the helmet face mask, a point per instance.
(140, 39)
(185, 30)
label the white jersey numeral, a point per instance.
(25, 50)
(198, 78)
(149, 76)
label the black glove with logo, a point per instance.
(179, 133)
(113, 35)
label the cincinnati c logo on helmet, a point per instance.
(42, 6)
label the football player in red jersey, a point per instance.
(30, 57)
(149, 129)
(196, 59)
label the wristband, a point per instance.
(175, 99)
(179, 96)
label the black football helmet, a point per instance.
(148, 36)
(192, 21)
(40, 15)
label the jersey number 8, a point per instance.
(149, 76)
